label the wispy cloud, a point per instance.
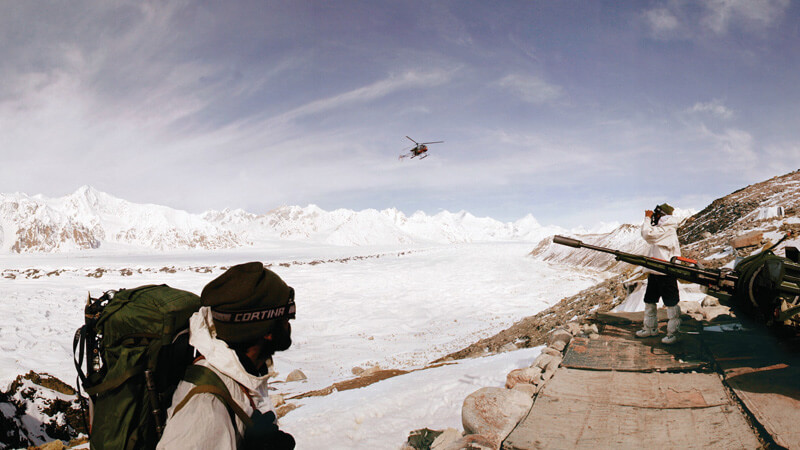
(754, 13)
(531, 88)
(714, 107)
(368, 93)
(735, 148)
(683, 20)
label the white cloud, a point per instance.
(661, 21)
(736, 148)
(714, 107)
(780, 158)
(756, 13)
(531, 88)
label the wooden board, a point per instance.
(651, 390)
(765, 374)
(635, 319)
(618, 349)
(597, 409)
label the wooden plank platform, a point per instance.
(600, 409)
(618, 349)
(765, 374)
(652, 390)
(708, 390)
(635, 319)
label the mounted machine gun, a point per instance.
(763, 287)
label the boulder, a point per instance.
(529, 389)
(542, 361)
(690, 307)
(750, 239)
(709, 300)
(550, 369)
(529, 375)
(712, 312)
(509, 347)
(445, 439)
(494, 412)
(558, 345)
(296, 375)
(574, 328)
(470, 442)
(552, 351)
(370, 371)
(423, 438)
(560, 335)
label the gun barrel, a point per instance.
(569, 242)
(574, 243)
(707, 277)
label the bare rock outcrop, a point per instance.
(494, 412)
(37, 409)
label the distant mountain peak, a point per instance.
(89, 218)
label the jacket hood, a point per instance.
(203, 337)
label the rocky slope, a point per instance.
(36, 409)
(736, 225)
(766, 211)
(770, 208)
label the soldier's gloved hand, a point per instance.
(264, 434)
(648, 213)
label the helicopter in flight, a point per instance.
(420, 149)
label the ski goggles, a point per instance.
(286, 311)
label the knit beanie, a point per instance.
(246, 300)
(666, 209)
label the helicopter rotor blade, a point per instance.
(434, 142)
(412, 140)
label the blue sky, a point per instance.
(573, 111)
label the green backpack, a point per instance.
(135, 347)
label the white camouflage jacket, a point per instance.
(204, 422)
(663, 239)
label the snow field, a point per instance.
(381, 416)
(395, 311)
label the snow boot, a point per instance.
(673, 324)
(650, 322)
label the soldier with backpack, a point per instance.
(243, 321)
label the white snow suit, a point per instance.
(204, 422)
(663, 239)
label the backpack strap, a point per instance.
(108, 385)
(206, 381)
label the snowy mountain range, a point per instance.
(89, 219)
